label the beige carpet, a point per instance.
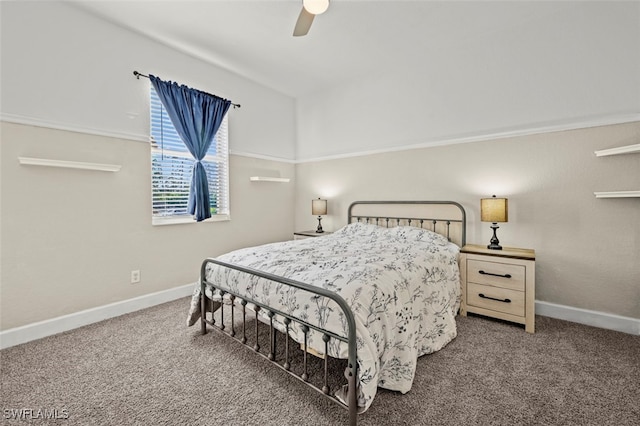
(148, 368)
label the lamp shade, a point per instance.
(318, 207)
(494, 209)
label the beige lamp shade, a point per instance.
(494, 209)
(318, 207)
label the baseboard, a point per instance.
(593, 318)
(38, 330)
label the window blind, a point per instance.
(172, 166)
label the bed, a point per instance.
(379, 292)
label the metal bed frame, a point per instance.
(351, 372)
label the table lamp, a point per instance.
(494, 210)
(319, 208)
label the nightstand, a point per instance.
(301, 235)
(499, 283)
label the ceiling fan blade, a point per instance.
(304, 23)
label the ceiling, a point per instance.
(354, 37)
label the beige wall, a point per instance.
(70, 238)
(588, 249)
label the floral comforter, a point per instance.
(402, 284)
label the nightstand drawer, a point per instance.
(497, 274)
(496, 299)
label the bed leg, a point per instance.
(352, 396)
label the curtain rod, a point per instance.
(138, 75)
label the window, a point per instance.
(171, 169)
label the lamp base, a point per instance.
(494, 244)
(319, 230)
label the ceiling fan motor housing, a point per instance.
(316, 7)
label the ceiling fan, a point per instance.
(310, 8)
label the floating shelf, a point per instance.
(268, 179)
(620, 150)
(69, 164)
(628, 149)
(617, 194)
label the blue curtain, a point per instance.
(196, 116)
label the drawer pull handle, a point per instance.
(495, 275)
(493, 298)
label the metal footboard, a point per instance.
(352, 365)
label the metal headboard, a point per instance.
(437, 216)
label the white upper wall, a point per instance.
(68, 69)
(575, 68)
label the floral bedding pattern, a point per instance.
(402, 284)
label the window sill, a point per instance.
(183, 220)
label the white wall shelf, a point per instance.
(268, 179)
(28, 161)
(617, 194)
(629, 149)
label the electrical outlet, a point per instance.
(135, 276)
